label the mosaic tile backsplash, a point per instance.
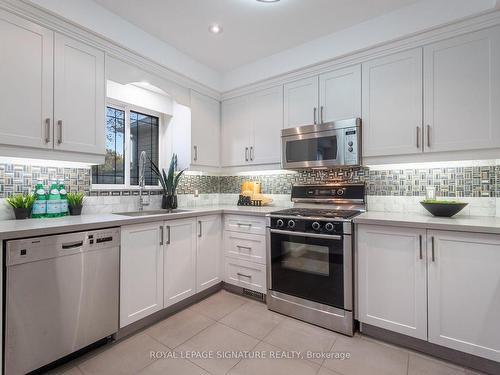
(474, 181)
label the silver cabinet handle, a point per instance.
(239, 247)
(251, 153)
(195, 153)
(243, 275)
(314, 114)
(433, 257)
(47, 130)
(428, 136)
(246, 153)
(245, 225)
(420, 245)
(161, 235)
(200, 228)
(168, 235)
(60, 138)
(321, 115)
(418, 137)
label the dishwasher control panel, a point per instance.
(39, 248)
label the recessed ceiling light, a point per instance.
(268, 1)
(215, 28)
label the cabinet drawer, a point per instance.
(246, 274)
(245, 246)
(245, 224)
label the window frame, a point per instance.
(127, 107)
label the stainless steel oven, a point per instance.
(322, 146)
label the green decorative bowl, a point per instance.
(443, 208)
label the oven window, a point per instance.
(307, 258)
(308, 267)
(314, 149)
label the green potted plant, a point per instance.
(22, 205)
(168, 182)
(75, 203)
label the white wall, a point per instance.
(419, 17)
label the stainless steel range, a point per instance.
(310, 265)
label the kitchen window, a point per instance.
(129, 131)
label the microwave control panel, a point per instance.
(351, 137)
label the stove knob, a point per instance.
(280, 223)
(329, 227)
(316, 225)
(291, 224)
(340, 192)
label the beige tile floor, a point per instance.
(227, 322)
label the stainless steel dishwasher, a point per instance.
(61, 295)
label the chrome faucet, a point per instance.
(142, 181)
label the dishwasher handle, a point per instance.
(72, 245)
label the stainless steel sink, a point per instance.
(151, 212)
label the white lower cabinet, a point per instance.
(179, 260)
(464, 292)
(141, 271)
(208, 252)
(448, 294)
(245, 252)
(392, 279)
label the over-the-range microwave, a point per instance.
(328, 145)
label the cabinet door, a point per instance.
(179, 260)
(392, 279)
(208, 254)
(462, 92)
(79, 97)
(26, 76)
(236, 128)
(340, 94)
(205, 130)
(301, 102)
(267, 111)
(392, 104)
(141, 271)
(464, 292)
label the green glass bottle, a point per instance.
(54, 201)
(64, 199)
(39, 209)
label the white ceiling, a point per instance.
(252, 30)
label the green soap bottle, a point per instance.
(64, 199)
(54, 201)
(39, 209)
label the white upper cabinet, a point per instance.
(26, 76)
(208, 252)
(301, 102)
(340, 94)
(267, 120)
(392, 104)
(392, 279)
(79, 97)
(179, 260)
(462, 92)
(464, 292)
(236, 125)
(141, 271)
(205, 130)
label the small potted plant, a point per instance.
(75, 203)
(169, 182)
(22, 205)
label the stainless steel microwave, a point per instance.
(327, 145)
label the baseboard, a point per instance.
(454, 356)
(165, 313)
(257, 296)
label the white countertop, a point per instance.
(479, 224)
(11, 229)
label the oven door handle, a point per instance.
(302, 234)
